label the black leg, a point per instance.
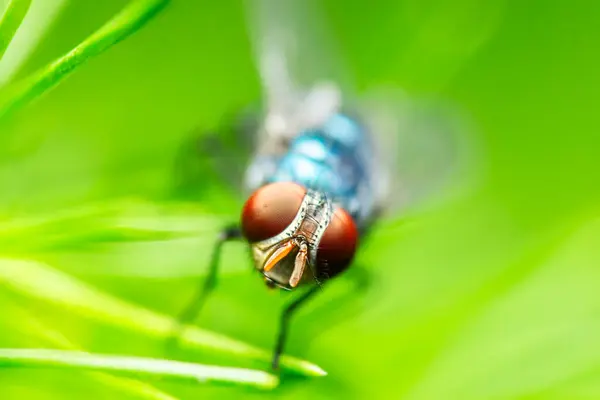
(284, 322)
(193, 309)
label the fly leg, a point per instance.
(194, 307)
(284, 322)
(360, 282)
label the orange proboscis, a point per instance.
(299, 267)
(278, 255)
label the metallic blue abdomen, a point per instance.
(334, 159)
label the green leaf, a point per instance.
(133, 17)
(136, 365)
(43, 282)
(10, 21)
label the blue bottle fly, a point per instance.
(319, 176)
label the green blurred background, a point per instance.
(490, 294)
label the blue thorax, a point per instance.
(334, 159)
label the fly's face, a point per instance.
(297, 235)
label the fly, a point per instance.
(320, 174)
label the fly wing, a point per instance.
(298, 64)
(422, 148)
(300, 69)
(211, 165)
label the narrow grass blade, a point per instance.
(30, 324)
(114, 222)
(38, 21)
(143, 237)
(128, 21)
(136, 365)
(119, 221)
(43, 282)
(10, 21)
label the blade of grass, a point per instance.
(142, 235)
(121, 221)
(38, 21)
(10, 21)
(43, 282)
(102, 223)
(128, 21)
(30, 324)
(136, 365)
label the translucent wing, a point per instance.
(422, 147)
(299, 65)
(210, 165)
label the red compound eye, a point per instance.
(338, 244)
(270, 210)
